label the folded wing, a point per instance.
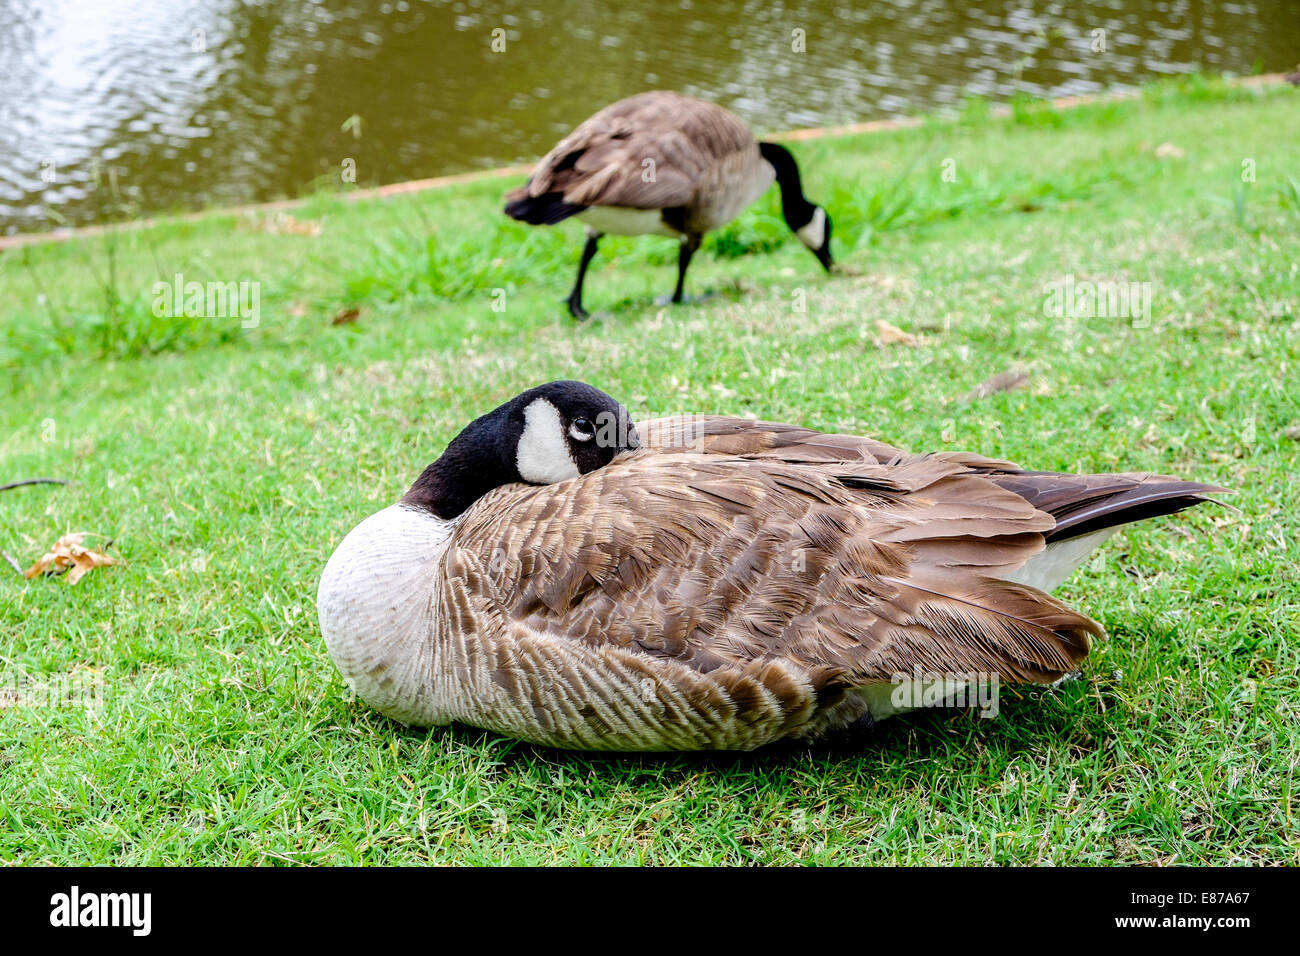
(646, 152)
(852, 570)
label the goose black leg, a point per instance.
(575, 297)
(689, 245)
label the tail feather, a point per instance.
(544, 210)
(1152, 500)
(1083, 504)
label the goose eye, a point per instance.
(582, 430)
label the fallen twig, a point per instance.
(33, 481)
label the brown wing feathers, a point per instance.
(1007, 629)
(603, 162)
(725, 562)
(743, 549)
(1079, 504)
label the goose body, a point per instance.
(661, 163)
(707, 583)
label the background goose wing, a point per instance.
(854, 571)
(649, 151)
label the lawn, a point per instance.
(225, 463)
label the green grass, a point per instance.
(226, 464)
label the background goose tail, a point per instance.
(544, 210)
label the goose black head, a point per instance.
(806, 219)
(547, 434)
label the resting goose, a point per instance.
(664, 164)
(565, 577)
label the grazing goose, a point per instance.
(564, 577)
(664, 164)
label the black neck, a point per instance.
(472, 465)
(796, 209)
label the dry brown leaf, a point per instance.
(344, 316)
(69, 554)
(1002, 382)
(891, 334)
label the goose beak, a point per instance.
(824, 256)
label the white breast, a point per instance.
(378, 609)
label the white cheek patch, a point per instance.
(543, 454)
(814, 234)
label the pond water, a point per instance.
(176, 104)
